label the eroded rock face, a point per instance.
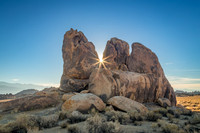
(79, 56)
(116, 53)
(108, 83)
(83, 103)
(127, 104)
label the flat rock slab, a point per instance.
(83, 103)
(127, 104)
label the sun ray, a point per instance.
(104, 66)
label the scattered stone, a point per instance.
(83, 103)
(164, 102)
(67, 96)
(127, 104)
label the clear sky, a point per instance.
(31, 35)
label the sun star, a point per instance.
(101, 60)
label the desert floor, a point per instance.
(190, 102)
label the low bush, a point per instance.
(108, 108)
(93, 111)
(186, 112)
(30, 123)
(195, 119)
(12, 126)
(170, 116)
(49, 121)
(137, 123)
(119, 116)
(64, 123)
(135, 116)
(153, 116)
(162, 111)
(168, 127)
(73, 128)
(177, 111)
(154, 125)
(76, 117)
(97, 124)
(63, 115)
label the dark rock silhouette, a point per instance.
(138, 76)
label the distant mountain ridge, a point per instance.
(14, 88)
(26, 92)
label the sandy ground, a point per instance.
(190, 102)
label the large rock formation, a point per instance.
(138, 76)
(141, 60)
(79, 58)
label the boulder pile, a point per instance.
(122, 78)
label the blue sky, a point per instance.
(31, 35)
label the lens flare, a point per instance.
(100, 61)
